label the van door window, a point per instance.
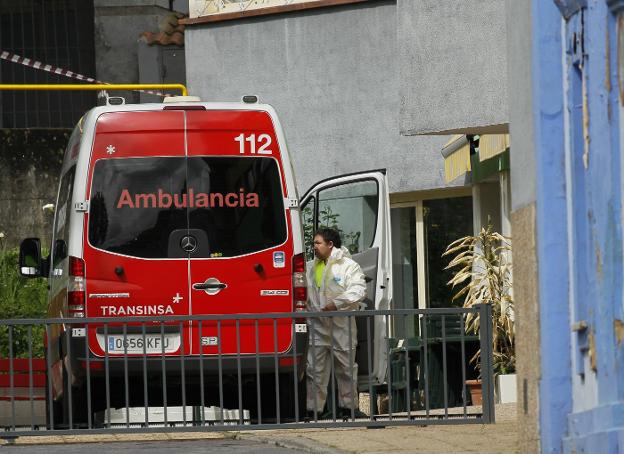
(244, 210)
(149, 207)
(352, 210)
(137, 204)
(61, 218)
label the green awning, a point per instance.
(488, 167)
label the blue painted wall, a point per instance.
(596, 423)
(552, 253)
(577, 114)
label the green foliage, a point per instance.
(484, 277)
(352, 241)
(19, 298)
(308, 231)
(42, 149)
(327, 218)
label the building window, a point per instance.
(404, 267)
(445, 220)
(421, 231)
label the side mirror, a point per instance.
(30, 257)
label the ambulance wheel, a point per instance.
(287, 400)
(288, 408)
(78, 404)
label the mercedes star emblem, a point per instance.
(188, 243)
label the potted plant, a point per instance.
(484, 276)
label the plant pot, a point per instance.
(474, 387)
(506, 389)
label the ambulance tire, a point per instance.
(78, 403)
(286, 399)
(98, 395)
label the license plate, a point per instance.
(118, 344)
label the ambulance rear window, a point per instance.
(151, 207)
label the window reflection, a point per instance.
(445, 220)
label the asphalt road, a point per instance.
(152, 447)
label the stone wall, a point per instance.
(526, 297)
(30, 165)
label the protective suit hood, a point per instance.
(337, 254)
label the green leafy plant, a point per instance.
(327, 218)
(19, 298)
(484, 276)
(308, 231)
(352, 242)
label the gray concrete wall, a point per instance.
(520, 106)
(333, 76)
(118, 24)
(523, 224)
(160, 65)
(487, 206)
(453, 65)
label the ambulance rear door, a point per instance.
(134, 261)
(242, 261)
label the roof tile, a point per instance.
(171, 32)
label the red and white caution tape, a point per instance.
(14, 58)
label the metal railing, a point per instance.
(243, 371)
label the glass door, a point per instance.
(404, 267)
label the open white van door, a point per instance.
(358, 205)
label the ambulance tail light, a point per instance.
(300, 286)
(76, 267)
(76, 288)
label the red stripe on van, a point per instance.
(136, 134)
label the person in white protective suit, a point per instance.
(336, 283)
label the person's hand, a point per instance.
(330, 307)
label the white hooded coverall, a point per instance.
(343, 284)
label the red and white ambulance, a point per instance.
(189, 208)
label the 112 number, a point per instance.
(259, 145)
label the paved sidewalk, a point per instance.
(465, 438)
(501, 437)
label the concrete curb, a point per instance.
(301, 444)
(115, 438)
